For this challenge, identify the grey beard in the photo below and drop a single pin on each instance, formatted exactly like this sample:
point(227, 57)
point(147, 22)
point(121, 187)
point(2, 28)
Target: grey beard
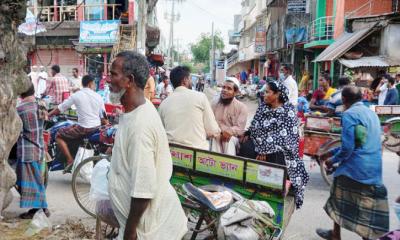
point(115, 98)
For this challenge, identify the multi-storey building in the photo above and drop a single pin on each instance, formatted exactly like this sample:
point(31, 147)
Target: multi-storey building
point(61, 44)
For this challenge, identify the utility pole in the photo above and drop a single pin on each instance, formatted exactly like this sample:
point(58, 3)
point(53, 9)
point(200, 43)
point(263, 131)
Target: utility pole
point(172, 18)
point(212, 67)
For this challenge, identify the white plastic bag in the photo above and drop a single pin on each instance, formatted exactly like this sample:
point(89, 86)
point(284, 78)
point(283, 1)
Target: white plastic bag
point(39, 221)
point(86, 170)
point(99, 181)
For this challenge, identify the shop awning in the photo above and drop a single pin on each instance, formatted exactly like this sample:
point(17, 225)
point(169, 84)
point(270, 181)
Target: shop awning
point(343, 44)
point(373, 61)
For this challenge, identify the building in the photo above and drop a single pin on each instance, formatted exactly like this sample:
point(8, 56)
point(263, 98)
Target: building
point(129, 24)
point(333, 22)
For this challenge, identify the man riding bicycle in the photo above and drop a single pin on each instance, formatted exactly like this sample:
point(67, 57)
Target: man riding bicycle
point(90, 110)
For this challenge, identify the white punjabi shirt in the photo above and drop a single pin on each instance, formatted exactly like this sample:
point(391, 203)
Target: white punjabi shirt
point(141, 167)
point(291, 85)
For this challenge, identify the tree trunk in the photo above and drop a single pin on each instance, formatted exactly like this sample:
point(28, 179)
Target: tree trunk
point(13, 81)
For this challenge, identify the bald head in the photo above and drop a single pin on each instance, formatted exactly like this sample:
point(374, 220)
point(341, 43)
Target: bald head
point(351, 95)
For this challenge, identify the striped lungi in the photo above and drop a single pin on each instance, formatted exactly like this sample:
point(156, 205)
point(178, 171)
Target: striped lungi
point(358, 207)
point(30, 184)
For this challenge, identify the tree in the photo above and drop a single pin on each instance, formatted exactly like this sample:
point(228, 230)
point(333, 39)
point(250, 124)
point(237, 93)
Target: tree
point(13, 81)
point(201, 49)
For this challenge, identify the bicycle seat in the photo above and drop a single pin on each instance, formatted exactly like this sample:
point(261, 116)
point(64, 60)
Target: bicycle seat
point(219, 200)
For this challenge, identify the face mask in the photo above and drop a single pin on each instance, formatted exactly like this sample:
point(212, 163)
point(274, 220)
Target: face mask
point(397, 210)
point(115, 97)
point(281, 76)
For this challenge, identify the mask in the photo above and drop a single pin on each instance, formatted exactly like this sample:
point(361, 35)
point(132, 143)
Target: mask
point(115, 97)
point(281, 76)
point(397, 210)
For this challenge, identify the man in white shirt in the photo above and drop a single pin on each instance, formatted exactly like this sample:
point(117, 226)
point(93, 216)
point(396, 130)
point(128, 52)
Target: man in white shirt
point(186, 114)
point(164, 89)
point(90, 110)
point(142, 198)
point(382, 90)
point(41, 82)
point(291, 84)
point(75, 81)
point(34, 75)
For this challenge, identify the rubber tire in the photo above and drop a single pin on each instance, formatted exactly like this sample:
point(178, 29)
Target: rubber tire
point(75, 176)
point(324, 148)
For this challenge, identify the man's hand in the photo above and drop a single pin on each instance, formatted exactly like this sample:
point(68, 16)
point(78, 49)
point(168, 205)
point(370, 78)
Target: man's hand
point(328, 164)
point(225, 136)
point(130, 234)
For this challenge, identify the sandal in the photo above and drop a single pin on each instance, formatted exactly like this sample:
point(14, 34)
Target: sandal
point(47, 212)
point(29, 214)
point(325, 234)
point(68, 168)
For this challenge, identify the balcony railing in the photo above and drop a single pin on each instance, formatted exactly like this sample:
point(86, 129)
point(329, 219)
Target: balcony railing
point(71, 12)
point(321, 29)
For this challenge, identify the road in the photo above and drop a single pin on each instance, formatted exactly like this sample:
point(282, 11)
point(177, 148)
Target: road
point(302, 224)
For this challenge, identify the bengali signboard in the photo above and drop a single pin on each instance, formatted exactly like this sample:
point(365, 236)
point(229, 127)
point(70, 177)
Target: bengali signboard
point(260, 42)
point(219, 165)
point(104, 31)
point(267, 176)
point(318, 123)
point(182, 157)
point(297, 6)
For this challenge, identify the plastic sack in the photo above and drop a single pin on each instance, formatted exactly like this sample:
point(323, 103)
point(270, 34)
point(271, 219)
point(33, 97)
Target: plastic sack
point(99, 181)
point(86, 170)
point(105, 212)
point(39, 221)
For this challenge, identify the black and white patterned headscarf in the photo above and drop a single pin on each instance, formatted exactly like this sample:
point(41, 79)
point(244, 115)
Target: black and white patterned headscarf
point(276, 130)
point(282, 89)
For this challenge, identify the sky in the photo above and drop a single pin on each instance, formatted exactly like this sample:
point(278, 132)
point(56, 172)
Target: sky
point(196, 17)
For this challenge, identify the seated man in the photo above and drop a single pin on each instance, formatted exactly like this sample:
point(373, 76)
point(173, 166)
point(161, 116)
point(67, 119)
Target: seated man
point(164, 89)
point(90, 110)
point(231, 115)
point(321, 96)
point(186, 114)
point(335, 104)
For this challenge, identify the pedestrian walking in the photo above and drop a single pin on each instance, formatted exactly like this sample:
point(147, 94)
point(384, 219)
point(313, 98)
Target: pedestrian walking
point(358, 199)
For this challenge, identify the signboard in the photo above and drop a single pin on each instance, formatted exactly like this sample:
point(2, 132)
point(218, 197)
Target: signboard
point(265, 175)
point(104, 31)
point(297, 6)
point(219, 165)
point(317, 123)
point(260, 42)
point(182, 157)
point(383, 110)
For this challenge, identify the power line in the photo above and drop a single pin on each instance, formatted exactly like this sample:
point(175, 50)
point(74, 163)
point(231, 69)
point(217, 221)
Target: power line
point(212, 14)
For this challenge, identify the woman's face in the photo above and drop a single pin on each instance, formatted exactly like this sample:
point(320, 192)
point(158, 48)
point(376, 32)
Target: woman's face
point(270, 96)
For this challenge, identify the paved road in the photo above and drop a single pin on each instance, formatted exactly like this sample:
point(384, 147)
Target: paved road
point(302, 224)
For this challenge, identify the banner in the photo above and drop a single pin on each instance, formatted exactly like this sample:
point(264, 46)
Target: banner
point(103, 31)
point(261, 37)
point(297, 6)
point(218, 165)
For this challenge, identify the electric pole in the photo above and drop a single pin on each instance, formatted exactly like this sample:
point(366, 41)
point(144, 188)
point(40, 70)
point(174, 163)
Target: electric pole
point(212, 67)
point(172, 17)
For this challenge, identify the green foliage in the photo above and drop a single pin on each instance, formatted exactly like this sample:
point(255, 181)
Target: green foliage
point(201, 49)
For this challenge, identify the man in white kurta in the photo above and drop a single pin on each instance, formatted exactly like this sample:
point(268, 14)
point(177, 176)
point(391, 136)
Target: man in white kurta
point(141, 167)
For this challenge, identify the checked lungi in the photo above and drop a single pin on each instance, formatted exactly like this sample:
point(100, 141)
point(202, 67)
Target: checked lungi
point(30, 184)
point(358, 207)
point(30, 154)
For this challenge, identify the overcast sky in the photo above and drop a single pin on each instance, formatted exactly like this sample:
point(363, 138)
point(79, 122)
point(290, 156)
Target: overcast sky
point(196, 17)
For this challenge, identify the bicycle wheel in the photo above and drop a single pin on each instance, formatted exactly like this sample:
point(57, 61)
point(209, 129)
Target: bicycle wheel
point(81, 188)
point(327, 175)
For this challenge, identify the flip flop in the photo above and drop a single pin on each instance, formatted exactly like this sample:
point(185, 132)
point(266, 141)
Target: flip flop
point(29, 214)
point(68, 168)
point(324, 233)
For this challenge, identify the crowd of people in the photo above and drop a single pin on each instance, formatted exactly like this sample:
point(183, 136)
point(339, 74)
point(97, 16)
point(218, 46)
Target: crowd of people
point(144, 203)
